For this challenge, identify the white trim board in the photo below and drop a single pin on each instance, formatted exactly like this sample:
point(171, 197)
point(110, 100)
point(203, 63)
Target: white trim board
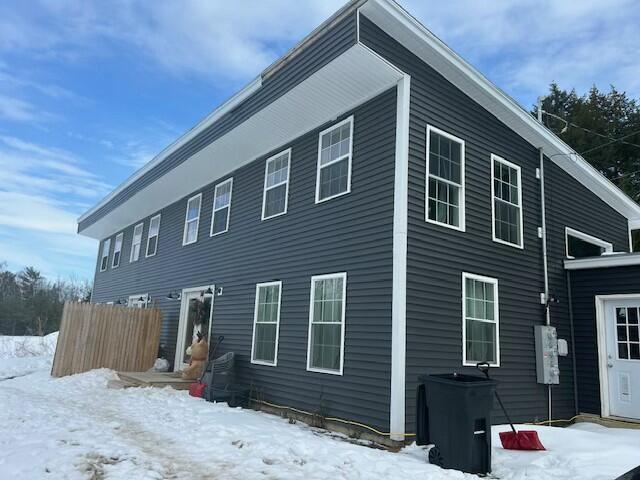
point(585, 237)
point(399, 292)
point(620, 259)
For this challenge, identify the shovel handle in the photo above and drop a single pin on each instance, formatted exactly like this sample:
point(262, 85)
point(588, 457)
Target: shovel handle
point(484, 368)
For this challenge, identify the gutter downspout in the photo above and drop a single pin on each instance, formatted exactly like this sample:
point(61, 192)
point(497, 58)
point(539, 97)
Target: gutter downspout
point(544, 244)
point(573, 345)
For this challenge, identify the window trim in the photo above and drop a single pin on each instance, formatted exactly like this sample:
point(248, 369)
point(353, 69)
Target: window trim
point(186, 223)
point(496, 316)
point(265, 189)
point(608, 247)
point(133, 239)
point(315, 278)
point(462, 226)
point(157, 235)
point(214, 210)
point(518, 169)
point(348, 157)
point(115, 243)
point(107, 242)
point(255, 321)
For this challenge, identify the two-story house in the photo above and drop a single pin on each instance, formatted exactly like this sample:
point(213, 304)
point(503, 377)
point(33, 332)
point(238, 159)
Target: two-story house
point(368, 209)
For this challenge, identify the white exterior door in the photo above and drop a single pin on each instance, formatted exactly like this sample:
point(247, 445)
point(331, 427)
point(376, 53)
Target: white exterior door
point(196, 312)
point(622, 328)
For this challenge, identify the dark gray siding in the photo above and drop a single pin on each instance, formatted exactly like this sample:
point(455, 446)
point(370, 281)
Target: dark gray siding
point(569, 204)
point(437, 256)
point(352, 233)
point(585, 285)
point(324, 49)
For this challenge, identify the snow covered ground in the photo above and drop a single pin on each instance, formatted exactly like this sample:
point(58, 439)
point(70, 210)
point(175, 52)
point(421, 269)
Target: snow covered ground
point(76, 428)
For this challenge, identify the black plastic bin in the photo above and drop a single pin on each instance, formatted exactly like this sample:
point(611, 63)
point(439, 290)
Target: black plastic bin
point(454, 414)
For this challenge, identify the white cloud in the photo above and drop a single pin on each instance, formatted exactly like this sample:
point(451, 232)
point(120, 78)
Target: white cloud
point(18, 110)
point(524, 45)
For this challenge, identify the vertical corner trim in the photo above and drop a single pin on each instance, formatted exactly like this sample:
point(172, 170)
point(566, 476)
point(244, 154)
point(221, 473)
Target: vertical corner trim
point(399, 296)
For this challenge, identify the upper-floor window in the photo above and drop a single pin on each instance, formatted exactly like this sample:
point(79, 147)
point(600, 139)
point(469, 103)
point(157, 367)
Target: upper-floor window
point(117, 250)
point(480, 325)
point(579, 245)
point(221, 207)
point(445, 179)
point(276, 185)
point(506, 209)
point(136, 241)
point(326, 323)
point(104, 257)
point(192, 220)
point(266, 321)
point(334, 161)
point(152, 236)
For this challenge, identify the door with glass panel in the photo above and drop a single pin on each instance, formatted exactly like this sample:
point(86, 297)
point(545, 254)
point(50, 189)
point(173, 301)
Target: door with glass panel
point(196, 313)
point(623, 357)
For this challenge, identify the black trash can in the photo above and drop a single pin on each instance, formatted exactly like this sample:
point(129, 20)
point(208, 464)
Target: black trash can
point(454, 414)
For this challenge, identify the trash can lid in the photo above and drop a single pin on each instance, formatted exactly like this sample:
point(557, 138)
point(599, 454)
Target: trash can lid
point(457, 379)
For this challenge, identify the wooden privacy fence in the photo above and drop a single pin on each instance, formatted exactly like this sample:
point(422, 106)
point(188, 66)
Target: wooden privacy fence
point(106, 336)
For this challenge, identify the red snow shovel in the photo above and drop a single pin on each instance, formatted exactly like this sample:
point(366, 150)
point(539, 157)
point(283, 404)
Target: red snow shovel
point(514, 440)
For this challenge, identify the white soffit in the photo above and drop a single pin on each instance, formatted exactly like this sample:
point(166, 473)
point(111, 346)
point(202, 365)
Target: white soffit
point(604, 261)
point(349, 80)
point(399, 24)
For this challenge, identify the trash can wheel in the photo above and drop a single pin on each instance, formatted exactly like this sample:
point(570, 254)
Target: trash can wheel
point(435, 457)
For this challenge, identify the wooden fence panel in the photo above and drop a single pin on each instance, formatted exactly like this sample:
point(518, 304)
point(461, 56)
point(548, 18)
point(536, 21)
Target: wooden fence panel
point(106, 336)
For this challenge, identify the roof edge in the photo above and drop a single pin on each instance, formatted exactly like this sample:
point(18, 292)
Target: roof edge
point(604, 261)
point(402, 15)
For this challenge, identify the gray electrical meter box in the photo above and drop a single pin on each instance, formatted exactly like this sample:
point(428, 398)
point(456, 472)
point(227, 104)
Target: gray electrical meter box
point(547, 354)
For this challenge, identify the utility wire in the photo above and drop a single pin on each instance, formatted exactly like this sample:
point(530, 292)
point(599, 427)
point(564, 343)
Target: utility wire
point(567, 123)
point(615, 140)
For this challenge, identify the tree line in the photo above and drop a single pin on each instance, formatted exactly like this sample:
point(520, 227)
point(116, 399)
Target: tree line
point(30, 304)
point(604, 128)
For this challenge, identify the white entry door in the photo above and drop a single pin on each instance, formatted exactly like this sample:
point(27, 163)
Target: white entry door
point(622, 318)
point(196, 313)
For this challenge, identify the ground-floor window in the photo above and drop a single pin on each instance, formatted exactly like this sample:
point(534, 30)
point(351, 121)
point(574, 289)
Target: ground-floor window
point(480, 325)
point(326, 323)
point(266, 322)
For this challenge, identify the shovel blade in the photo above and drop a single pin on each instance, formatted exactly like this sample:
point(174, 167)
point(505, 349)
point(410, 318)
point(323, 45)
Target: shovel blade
point(522, 440)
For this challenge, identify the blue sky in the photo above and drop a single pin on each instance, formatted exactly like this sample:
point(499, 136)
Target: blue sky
point(90, 91)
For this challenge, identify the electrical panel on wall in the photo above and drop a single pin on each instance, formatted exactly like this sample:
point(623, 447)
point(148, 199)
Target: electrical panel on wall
point(547, 354)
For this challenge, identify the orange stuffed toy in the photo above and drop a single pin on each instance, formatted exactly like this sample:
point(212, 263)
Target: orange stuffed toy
point(199, 352)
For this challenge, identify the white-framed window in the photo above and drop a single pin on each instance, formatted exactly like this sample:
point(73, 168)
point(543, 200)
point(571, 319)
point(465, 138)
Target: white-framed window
point(275, 197)
point(136, 241)
point(192, 220)
point(221, 207)
point(152, 236)
point(117, 250)
point(335, 146)
point(506, 204)
point(580, 245)
point(444, 190)
point(104, 256)
point(325, 351)
point(480, 320)
point(266, 323)
point(138, 301)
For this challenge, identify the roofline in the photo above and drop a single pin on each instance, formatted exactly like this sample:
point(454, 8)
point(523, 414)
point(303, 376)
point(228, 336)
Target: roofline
point(228, 105)
point(412, 23)
point(604, 261)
